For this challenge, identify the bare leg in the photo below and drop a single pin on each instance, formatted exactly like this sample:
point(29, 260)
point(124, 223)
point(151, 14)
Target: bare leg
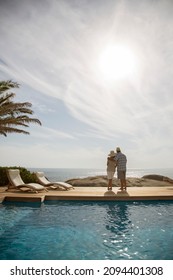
point(121, 182)
point(110, 184)
point(124, 184)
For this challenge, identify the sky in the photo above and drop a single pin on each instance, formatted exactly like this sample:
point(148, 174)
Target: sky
point(99, 74)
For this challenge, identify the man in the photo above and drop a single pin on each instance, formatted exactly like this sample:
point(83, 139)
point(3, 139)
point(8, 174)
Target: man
point(121, 161)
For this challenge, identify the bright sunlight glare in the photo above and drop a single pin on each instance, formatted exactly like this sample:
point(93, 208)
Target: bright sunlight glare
point(117, 62)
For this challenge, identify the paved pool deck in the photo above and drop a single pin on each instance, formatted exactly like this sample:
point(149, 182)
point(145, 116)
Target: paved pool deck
point(90, 194)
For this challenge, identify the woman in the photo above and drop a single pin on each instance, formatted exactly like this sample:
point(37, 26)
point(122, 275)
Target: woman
point(111, 165)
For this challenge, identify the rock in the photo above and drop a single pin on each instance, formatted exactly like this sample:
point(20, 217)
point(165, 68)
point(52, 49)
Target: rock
point(94, 181)
point(102, 181)
point(158, 177)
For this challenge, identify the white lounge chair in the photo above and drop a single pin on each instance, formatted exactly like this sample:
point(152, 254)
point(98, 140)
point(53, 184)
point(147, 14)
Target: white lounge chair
point(53, 185)
point(16, 182)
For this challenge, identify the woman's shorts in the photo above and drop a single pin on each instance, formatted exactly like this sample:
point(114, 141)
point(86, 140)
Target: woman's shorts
point(121, 175)
point(110, 174)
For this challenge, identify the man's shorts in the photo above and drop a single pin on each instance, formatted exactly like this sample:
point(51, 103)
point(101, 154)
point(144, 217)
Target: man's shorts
point(121, 175)
point(110, 174)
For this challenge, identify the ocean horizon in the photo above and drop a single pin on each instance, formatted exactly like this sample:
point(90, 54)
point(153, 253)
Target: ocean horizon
point(63, 174)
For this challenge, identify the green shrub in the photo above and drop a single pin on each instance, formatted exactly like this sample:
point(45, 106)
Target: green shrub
point(26, 175)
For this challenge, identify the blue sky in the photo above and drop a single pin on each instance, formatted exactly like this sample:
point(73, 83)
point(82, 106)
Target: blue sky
point(54, 50)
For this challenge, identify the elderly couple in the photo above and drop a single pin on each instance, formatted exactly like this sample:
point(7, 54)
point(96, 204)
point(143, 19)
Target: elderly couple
point(118, 160)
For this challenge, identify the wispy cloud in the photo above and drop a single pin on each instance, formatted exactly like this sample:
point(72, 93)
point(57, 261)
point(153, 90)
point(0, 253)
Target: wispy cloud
point(47, 155)
point(49, 133)
point(54, 46)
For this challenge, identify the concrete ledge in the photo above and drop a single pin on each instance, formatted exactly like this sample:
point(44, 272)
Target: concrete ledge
point(24, 199)
point(2, 199)
point(108, 198)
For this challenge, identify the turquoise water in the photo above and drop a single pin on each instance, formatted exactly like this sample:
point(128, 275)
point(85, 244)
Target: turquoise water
point(86, 230)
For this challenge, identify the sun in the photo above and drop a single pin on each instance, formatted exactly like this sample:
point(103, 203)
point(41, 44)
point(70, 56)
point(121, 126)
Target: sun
point(117, 62)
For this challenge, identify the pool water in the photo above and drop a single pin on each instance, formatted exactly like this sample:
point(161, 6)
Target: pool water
point(86, 230)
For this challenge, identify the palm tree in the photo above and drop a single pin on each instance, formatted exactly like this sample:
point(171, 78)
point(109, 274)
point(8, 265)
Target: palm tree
point(13, 115)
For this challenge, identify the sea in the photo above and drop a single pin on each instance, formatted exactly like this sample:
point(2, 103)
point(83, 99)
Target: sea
point(63, 174)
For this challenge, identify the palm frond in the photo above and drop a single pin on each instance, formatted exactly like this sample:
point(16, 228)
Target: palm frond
point(6, 85)
point(14, 114)
point(12, 130)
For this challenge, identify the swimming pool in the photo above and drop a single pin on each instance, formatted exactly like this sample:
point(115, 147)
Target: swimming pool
point(72, 230)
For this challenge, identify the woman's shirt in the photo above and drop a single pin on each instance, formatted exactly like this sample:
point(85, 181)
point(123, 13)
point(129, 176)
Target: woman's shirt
point(111, 165)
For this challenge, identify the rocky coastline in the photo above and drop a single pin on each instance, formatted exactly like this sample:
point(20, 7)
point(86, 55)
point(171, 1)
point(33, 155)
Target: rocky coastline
point(153, 180)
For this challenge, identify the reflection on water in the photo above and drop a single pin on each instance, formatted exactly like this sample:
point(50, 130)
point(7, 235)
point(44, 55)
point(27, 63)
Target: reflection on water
point(118, 218)
point(119, 226)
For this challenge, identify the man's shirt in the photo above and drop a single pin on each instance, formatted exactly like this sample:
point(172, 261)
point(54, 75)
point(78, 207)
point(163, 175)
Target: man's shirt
point(121, 161)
